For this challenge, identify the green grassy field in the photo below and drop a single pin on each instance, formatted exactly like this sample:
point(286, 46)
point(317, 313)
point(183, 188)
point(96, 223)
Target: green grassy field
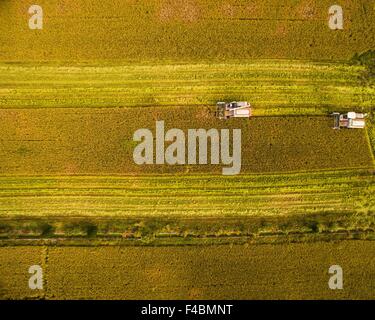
point(184, 30)
point(294, 271)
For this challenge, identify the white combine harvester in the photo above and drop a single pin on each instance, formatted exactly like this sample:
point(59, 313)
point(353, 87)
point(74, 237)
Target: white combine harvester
point(233, 110)
point(350, 120)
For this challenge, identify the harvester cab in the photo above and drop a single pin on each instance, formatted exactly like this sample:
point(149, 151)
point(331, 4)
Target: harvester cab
point(350, 120)
point(233, 110)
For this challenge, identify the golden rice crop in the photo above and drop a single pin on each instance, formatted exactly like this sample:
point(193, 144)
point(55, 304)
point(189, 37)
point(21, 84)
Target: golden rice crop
point(184, 30)
point(289, 271)
point(100, 141)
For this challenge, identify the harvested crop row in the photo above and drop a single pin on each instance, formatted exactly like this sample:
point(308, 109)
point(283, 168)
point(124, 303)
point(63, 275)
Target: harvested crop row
point(273, 87)
point(183, 196)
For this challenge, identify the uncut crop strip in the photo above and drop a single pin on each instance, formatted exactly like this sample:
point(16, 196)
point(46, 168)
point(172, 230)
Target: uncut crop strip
point(14, 265)
point(273, 87)
point(95, 141)
point(175, 272)
point(342, 191)
point(184, 30)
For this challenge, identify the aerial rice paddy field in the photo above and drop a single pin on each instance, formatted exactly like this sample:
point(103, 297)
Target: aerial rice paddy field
point(100, 141)
point(184, 30)
point(294, 271)
point(73, 201)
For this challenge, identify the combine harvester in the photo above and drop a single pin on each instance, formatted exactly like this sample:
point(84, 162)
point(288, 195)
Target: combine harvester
point(350, 120)
point(233, 109)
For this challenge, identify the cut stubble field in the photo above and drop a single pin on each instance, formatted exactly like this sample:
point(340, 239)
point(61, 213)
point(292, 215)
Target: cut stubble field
point(279, 195)
point(274, 87)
